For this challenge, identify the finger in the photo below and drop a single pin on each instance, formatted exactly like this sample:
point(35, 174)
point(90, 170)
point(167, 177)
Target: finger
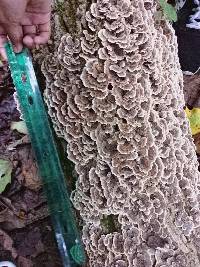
point(29, 30)
point(3, 40)
point(43, 34)
point(36, 17)
point(28, 41)
point(15, 34)
point(29, 34)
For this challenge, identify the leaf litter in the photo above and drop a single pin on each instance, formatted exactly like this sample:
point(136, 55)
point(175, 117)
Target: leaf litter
point(26, 235)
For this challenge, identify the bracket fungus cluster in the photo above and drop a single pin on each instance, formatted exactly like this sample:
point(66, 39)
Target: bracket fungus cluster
point(115, 93)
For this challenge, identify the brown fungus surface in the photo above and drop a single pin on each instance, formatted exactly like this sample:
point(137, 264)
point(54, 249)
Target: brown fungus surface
point(115, 93)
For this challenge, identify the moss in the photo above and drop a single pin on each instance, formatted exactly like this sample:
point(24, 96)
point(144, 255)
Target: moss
point(67, 165)
point(67, 14)
point(110, 224)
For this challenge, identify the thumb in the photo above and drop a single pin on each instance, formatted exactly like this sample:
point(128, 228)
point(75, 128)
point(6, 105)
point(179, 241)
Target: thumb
point(15, 34)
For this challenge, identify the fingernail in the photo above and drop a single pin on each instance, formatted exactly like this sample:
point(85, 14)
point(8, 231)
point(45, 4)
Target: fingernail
point(3, 63)
point(17, 48)
point(3, 57)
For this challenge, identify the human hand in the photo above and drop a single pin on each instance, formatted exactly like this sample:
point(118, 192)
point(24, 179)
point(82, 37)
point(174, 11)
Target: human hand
point(25, 22)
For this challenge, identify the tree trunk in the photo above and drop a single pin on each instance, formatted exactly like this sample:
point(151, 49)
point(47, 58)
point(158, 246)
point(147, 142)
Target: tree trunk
point(115, 94)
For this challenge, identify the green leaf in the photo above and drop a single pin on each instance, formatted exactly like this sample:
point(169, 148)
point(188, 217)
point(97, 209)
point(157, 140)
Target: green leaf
point(162, 3)
point(168, 10)
point(19, 126)
point(5, 174)
point(194, 118)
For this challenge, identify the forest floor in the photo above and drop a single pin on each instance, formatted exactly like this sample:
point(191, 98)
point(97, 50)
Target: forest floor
point(26, 234)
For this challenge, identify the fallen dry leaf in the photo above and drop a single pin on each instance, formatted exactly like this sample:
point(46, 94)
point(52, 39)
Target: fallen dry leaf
point(19, 126)
point(192, 90)
point(193, 116)
point(23, 141)
point(5, 174)
point(26, 242)
point(8, 215)
point(24, 262)
point(29, 171)
point(9, 221)
point(196, 138)
point(7, 243)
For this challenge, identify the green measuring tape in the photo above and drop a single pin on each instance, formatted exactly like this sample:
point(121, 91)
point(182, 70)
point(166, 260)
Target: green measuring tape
point(34, 114)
